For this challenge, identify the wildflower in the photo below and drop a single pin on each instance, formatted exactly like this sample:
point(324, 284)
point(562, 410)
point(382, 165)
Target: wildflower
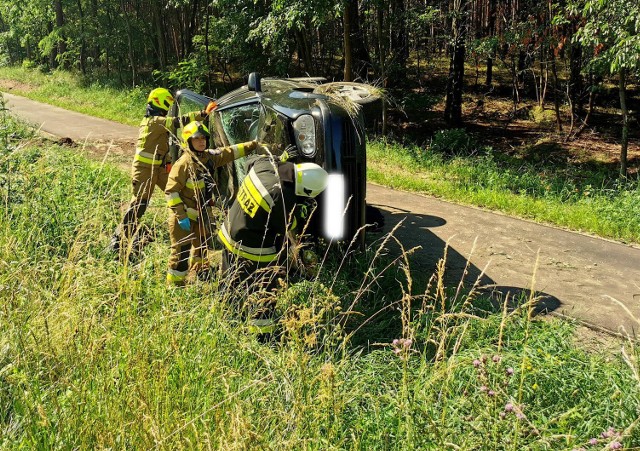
point(593, 441)
point(477, 363)
point(508, 407)
point(491, 393)
point(401, 345)
point(520, 416)
point(484, 359)
point(615, 445)
point(483, 388)
point(535, 386)
point(496, 359)
point(503, 414)
point(608, 433)
point(509, 371)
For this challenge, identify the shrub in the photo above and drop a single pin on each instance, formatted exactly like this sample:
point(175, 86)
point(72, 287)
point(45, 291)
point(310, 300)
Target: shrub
point(455, 141)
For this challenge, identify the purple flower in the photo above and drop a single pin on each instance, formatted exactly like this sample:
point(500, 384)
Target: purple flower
point(491, 393)
point(508, 407)
point(484, 359)
point(593, 441)
point(509, 371)
point(496, 359)
point(483, 388)
point(520, 416)
point(608, 433)
point(503, 414)
point(395, 342)
point(477, 363)
point(615, 445)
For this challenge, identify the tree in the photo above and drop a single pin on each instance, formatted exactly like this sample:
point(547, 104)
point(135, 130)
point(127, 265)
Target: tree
point(611, 31)
point(453, 104)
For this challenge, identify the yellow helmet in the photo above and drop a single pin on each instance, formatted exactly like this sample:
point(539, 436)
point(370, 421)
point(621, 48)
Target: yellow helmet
point(194, 130)
point(161, 98)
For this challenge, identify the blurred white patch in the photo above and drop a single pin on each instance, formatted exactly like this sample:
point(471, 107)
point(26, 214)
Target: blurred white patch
point(335, 201)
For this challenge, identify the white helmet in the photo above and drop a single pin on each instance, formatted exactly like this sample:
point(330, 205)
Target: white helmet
point(311, 179)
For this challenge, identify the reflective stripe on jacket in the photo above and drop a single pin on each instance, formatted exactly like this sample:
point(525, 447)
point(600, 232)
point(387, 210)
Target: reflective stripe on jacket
point(256, 225)
point(153, 139)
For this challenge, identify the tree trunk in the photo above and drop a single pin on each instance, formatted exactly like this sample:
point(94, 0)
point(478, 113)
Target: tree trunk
point(62, 46)
point(575, 78)
point(625, 122)
point(489, 78)
point(556, 89)
point(453, 105)
point(132, 60)
point(346, 22)
point(382, 62)
point(83, 45)
point(398, 43)
point(157, 24)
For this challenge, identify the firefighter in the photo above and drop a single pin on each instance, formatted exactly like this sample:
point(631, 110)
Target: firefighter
point(262, 228)
point(189, 198)
point(152, 162)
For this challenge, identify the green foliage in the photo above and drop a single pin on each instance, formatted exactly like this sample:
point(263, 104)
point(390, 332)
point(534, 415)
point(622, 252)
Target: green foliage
point(539, 115)
point(455, 141)
point(612, 30)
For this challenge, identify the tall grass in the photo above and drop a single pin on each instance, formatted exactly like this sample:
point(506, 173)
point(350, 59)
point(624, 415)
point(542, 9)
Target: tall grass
point(95, 354)
point(577, 198)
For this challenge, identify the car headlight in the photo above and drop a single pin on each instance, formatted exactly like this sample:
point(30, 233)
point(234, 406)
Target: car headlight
point(305, 132)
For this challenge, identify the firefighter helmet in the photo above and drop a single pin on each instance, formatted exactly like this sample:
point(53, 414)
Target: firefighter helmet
point(160, 98)
point(311, 179)
point(194, 130)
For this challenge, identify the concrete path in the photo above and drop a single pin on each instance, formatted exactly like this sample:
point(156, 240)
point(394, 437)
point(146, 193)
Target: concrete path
point(578, 276)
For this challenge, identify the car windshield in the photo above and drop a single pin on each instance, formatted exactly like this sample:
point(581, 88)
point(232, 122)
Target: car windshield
point(244, 123)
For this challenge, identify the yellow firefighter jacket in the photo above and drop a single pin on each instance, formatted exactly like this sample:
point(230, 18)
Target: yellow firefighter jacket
point(153, 139)
point(188, 190)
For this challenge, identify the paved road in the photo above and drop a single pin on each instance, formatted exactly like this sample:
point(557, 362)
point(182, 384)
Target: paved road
point(577, 275)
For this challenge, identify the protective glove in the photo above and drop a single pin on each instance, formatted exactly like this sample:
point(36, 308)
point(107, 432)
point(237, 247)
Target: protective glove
point(210, 107)
point(185, 224)
point(289, 153)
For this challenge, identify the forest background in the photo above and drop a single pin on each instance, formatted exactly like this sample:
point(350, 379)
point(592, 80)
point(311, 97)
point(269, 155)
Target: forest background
point(565, 67)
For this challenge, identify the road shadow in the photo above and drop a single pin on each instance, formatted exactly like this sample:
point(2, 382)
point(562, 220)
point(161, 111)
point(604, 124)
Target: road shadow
point(413, 231)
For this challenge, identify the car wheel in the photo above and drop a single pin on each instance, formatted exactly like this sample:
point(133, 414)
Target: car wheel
point(367, 96)
point(359, 93)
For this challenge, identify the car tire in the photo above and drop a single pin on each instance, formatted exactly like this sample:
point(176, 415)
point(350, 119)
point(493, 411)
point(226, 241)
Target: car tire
point(359, 93)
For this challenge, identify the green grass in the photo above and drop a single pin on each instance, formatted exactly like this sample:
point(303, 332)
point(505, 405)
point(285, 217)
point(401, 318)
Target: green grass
point(68, 91)
point(95, 354)
point(573, 197)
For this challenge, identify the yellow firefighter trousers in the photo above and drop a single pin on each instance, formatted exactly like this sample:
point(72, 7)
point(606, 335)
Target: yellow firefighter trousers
point(188, 249)
point(144, 180)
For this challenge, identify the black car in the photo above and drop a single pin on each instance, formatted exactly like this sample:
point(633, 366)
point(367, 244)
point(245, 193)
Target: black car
point(324, 127)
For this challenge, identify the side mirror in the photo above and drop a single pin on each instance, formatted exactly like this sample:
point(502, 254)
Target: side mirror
point(254, 82)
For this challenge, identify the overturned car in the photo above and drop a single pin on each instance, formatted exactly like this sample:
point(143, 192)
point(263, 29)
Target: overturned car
point(323, 124)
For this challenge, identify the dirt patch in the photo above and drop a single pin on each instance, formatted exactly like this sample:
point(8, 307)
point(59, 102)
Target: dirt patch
point(13, 85)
